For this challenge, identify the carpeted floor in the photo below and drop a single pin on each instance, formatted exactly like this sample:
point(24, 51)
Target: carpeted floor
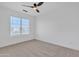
point(36, 48)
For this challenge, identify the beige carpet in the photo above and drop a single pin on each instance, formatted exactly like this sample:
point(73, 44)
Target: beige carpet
point(35, 48)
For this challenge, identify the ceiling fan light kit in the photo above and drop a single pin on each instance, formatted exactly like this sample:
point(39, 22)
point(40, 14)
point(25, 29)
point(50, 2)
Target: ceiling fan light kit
point(34, 7)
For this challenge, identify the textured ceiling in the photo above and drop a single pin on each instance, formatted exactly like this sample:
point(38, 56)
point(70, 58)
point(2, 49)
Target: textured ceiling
point(17, 6)
point(44, 9)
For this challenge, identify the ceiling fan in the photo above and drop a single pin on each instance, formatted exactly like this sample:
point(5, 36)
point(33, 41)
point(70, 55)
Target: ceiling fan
point(34, 6)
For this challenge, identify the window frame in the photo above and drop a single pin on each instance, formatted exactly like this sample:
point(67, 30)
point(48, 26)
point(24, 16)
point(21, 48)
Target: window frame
point(20, 26)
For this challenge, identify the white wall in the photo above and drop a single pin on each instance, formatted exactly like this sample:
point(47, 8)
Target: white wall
point(60, 26)
point(5, 38)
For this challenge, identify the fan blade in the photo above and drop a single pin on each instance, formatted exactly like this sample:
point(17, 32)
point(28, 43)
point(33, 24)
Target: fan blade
point(34, 4)
point(27, 6)
point(40, 3)
point(25, 10)
point(37, 10)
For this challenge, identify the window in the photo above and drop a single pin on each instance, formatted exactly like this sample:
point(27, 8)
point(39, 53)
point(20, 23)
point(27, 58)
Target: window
point(19, 26)
point(15, 25)
point(25, 26)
